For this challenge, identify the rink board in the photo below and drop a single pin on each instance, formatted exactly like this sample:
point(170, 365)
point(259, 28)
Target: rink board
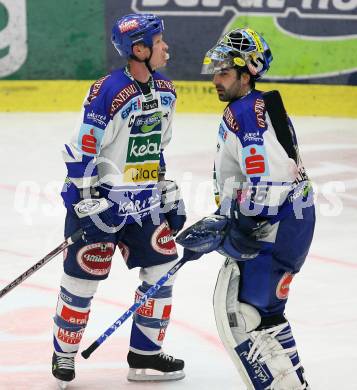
point(193, 97)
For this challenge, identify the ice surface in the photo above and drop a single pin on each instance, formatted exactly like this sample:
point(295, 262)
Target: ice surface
point(323, 300)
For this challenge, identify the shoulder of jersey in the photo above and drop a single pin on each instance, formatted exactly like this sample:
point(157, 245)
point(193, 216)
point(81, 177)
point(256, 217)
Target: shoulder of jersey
point(164, 84)
point(243, 112)
point(113, 90)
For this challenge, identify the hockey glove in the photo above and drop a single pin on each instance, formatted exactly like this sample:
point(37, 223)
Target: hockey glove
point(96, 219)
point(241, 241)
point(172, 205)
point(204, 236)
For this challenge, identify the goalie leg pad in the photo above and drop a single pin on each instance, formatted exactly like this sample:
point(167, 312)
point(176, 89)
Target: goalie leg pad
point(266, 358)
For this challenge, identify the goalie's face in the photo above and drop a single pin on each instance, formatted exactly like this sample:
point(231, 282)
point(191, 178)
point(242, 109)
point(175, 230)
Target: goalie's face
point(230, 84)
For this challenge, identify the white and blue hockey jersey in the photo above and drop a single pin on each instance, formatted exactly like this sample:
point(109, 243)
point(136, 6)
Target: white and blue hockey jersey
point(252, 164)
point(118, 144)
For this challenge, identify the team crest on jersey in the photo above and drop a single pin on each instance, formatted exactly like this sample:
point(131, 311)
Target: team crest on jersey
point(162, 240)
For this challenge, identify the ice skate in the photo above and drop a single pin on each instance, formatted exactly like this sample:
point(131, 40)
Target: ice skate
point(159, 367)
point(63, 370)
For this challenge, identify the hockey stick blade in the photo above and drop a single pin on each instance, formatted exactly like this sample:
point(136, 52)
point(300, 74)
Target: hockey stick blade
point(152, 290)
point(69, 241)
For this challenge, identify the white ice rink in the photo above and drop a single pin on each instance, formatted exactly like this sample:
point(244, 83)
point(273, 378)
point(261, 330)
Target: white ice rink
point(322, 307)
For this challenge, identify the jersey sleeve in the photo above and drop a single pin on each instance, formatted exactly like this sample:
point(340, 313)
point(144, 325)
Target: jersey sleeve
point(168, 103)
point(80, 154)
point(265, 165)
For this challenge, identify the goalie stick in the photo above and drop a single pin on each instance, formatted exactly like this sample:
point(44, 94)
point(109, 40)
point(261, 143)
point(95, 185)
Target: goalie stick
point(69, 241)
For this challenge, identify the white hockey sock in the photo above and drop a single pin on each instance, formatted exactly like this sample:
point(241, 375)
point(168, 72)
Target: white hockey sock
point(72, 314)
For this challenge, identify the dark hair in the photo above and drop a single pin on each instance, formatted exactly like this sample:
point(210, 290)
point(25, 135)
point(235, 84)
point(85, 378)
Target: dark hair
point(240, 71)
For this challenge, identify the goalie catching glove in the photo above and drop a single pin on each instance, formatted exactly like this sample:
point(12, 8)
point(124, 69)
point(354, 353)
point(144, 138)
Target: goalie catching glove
point(236, 237)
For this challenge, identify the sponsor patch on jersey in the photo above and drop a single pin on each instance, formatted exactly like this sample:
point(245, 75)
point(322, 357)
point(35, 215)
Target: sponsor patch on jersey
point(147, 123)
point(167, 99)
point(230, 120)
point(136, 173)
point(73, 316)
point(123, 97)
point(222, 133)
point(162, 240)
point(133, 106)
point(95, 89)
point(255, 162)
point(89, 139)
point(151, 105)
point(96, 259)
point(124, 250)
point(259, 109)
point(254, 137)
point(145, 148)
point(282, 289)
point(165, 85)
point(93, 118)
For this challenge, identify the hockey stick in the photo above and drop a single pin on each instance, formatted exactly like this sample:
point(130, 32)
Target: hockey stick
point(70, 240)
point(152, 290)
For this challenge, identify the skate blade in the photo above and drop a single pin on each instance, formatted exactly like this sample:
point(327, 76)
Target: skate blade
point(149, 375)
point(62, 384)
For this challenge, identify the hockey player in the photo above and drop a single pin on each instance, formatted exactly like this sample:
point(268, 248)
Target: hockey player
point(265, 221)
point(116, 193)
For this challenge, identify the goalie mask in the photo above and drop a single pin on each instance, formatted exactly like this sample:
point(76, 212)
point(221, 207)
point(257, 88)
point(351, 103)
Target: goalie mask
point(243, 49)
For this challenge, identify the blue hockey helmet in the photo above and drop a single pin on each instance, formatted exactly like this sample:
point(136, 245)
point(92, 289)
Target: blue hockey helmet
point(135, 28)
point(242, 48)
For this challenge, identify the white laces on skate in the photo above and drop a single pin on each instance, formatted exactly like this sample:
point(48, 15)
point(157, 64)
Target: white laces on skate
point(264, 348)
point(65, 362)
point(164, 356)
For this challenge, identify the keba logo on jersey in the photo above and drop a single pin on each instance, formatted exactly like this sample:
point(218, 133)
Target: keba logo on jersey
point(162, 240)
point(282, 290)
point(96, 259)
point(255, 161)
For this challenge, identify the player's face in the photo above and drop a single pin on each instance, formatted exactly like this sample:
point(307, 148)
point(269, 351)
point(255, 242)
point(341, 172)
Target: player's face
point(160, 55)
point(228, 85)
